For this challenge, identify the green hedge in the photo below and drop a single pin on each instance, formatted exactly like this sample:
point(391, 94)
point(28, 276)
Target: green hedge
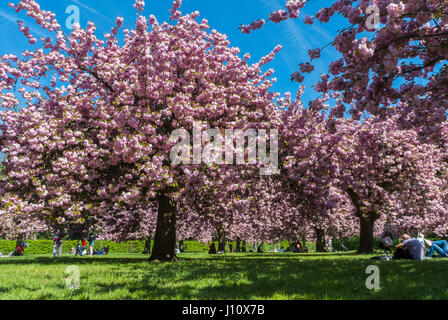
point(196, 246)
point(46, 246)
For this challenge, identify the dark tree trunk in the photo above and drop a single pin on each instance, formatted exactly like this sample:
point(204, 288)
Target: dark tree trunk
point(221, 240)
point(367, 222)
point(320, 240)
point(238, 245)
point(366, 241)
point(165, 237)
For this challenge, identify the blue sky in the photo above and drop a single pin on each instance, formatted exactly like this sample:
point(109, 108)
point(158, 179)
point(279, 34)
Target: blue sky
point(224, 16)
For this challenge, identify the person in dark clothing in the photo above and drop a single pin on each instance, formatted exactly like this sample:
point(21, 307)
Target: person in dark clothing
point(297, 247)
point(57, 242)
point(91, 243)
point(78, 249)
point(98, 252)
point(243, 247)
point(402, 253)
point(212, 249)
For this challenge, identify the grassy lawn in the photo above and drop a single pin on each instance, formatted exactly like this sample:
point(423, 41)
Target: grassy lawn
point(230, 276)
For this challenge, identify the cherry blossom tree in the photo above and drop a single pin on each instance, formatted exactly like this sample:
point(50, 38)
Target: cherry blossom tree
point(388, 171)
point(393, 59)
point(393, 66)
point(92, 137)
point(17, 220)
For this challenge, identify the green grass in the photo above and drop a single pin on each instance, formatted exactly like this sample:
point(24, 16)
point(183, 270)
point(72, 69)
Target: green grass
point(230, 276)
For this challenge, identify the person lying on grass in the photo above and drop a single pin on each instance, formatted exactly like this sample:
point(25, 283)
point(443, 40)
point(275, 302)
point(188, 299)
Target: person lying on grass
point(412, 248)
point(440, 246)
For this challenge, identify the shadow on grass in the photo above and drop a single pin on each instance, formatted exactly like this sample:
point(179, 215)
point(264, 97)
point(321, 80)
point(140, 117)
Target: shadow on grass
point(112, 259)
point(72, 260)
point(281, 278)
point(252, 276)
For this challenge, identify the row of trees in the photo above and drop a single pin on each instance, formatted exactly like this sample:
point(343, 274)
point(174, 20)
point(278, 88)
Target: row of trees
point(89, 148)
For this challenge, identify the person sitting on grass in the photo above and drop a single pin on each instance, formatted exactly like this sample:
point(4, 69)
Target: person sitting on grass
point(212, 249)
point(99, 252)
point(18, 251)
point(386, 241)
point(410, 248)
point(297, 248)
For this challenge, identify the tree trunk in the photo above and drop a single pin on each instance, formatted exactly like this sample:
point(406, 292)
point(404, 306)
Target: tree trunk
point(320, 240)
point(367, 222)
point(165, 238)
point(366, 243)
point(60, 250)
point(221, 240)
point(238, 245)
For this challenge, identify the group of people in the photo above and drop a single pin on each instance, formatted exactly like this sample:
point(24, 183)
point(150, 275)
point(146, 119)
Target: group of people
point(295, 247)
point(420, 248)
point(17, 252)
point(81, 246)
point(212, 248)
point(81, 249)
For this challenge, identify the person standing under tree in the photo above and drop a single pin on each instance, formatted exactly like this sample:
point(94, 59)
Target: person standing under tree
point(78, 249)
point(83, 246)
point(56, 241)
point(91, 243)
